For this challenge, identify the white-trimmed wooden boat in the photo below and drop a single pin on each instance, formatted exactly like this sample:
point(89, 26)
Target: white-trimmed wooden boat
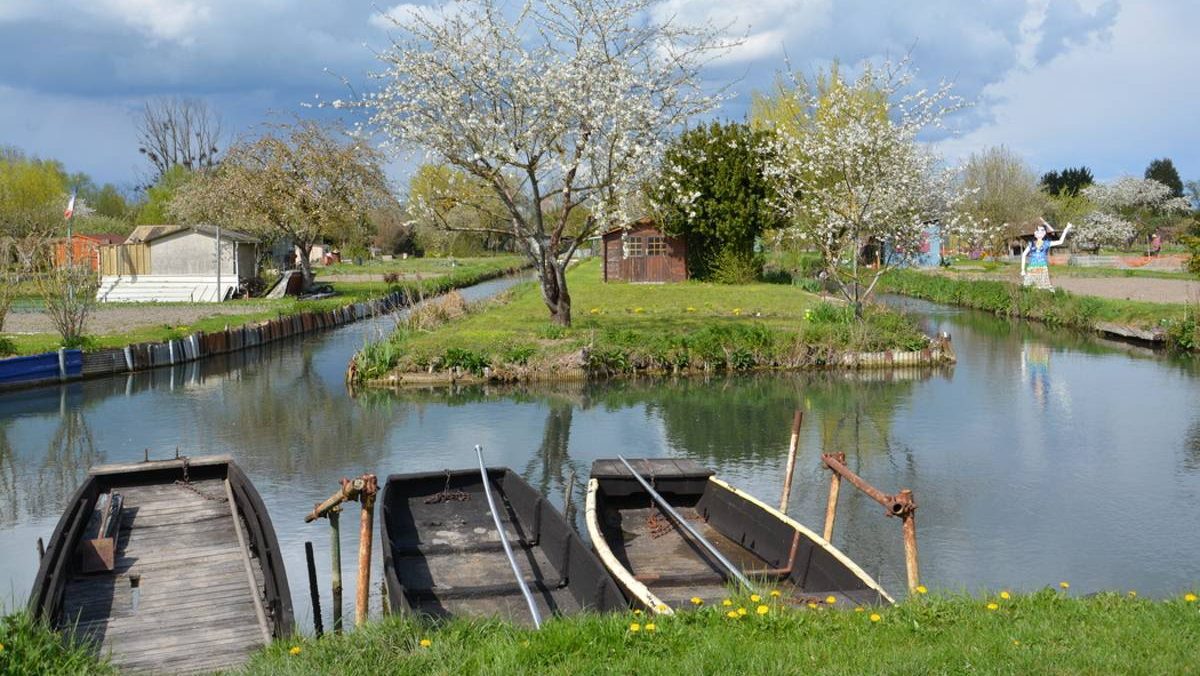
point(662, 568)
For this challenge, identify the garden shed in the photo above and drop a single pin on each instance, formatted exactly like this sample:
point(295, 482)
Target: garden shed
point(640, 252)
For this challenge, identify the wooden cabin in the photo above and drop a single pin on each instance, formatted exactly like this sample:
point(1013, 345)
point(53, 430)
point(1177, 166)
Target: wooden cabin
point(640, 252)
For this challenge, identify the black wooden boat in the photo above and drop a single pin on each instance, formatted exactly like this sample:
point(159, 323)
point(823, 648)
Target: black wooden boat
point(662, 568)
point(166, 566)
point(442, 554)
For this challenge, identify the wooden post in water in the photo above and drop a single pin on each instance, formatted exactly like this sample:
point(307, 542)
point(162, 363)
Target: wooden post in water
point(365, 531)
point(909, 520)
point(335, 556)
point(835, 487)
point(793, 444)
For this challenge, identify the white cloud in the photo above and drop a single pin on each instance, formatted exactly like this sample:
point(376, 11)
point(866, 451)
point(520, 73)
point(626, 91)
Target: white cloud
point(174, 20)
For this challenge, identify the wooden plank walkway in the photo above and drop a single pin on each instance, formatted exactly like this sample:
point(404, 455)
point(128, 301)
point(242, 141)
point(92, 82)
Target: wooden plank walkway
point(193, 609)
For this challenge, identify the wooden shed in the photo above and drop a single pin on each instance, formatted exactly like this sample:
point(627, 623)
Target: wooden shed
point(640, 252)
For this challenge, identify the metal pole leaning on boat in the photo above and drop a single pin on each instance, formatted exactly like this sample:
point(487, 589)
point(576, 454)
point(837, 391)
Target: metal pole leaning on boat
point(512, 560)
point(687, 526)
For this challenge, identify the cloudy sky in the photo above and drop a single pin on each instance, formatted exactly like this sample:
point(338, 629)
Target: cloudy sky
point(1107, 83)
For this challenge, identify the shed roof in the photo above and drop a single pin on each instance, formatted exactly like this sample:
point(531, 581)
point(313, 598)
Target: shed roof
point(149, 233)
point(644, 220)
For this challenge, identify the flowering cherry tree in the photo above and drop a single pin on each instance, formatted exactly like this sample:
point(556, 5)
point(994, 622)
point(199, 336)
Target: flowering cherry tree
point(1120, 206)
point(563, 106)
point(851, 173)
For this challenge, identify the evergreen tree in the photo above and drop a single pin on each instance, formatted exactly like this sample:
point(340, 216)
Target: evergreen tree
point(1164, 172)
point(1069, 181)
point(712, 191)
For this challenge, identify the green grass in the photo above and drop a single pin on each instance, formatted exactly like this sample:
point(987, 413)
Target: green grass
point(626, 328)
point(259, 309)
point(425, 266)
point(30, 648)
point(1045, 632)
point(967, 267)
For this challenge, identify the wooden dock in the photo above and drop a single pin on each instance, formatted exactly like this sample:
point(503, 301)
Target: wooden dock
point(196, 583)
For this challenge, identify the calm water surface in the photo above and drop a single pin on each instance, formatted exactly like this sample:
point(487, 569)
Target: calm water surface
point(1041, 456)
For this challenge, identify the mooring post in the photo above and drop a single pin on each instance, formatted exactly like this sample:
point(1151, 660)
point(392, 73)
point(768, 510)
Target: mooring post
point(365, 531)
point(313, 591)
point(835, 487)
point(41, 549)
point(909, 520)
point(335, 555)
point(793, 444)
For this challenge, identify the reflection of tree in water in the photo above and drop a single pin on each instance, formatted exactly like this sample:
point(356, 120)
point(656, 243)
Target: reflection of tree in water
point(550, 468)
point(288, 420)
point(69, 455)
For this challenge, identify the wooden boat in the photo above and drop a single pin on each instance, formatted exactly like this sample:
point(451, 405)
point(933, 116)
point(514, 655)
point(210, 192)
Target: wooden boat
point(167, 566)
point(442, 554)
point(662, 568)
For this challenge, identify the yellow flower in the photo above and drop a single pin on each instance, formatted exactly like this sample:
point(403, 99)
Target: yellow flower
point(860, 609)
point(808, 314)
point(762, 610)
point(1189, 597)
point(697, 601)
point(661, 608)
point(425, 643)
point(1064, 584)
point(922, 589)
point(732, 615)
point(635, 627)
point(775, 593)
point(993, 606)
point(637, 611)
point(737, 310)
point(650, 626)
point(727, 602)
point(755, 598)
point(295, 650)
point(1016, 642)
point(1005, 595)
point(741, 611)
point(875, 617)
point(691, 309)
point(638, 310)
point(831, 600)
point(812, 605)
point(1132, 594)
point(595, 310)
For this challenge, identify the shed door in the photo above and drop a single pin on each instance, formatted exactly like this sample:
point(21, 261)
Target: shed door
point(612, 259)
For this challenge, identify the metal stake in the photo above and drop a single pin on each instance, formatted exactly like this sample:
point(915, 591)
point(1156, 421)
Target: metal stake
point(512, 560)
point(791, 461)
point(666, 507)
point(313, 591)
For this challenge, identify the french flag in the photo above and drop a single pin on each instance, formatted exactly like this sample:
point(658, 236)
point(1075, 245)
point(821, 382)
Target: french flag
point(70, 206)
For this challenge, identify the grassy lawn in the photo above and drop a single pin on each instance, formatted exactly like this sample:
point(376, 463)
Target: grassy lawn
point(624, 328)
point(967, 267)
point(259, 309)
point(414, 266)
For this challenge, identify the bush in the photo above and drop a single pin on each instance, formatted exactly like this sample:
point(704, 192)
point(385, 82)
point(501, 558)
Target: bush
point(468, 360)
point(729, 267)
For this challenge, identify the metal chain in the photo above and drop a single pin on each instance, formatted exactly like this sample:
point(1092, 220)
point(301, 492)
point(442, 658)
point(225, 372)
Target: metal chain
point(186, 483)
point(448, 495)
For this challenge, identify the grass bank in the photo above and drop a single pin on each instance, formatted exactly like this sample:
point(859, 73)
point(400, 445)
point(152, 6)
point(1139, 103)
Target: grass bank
point(1045, 632)
point(29, 648)
point(621, 329)
point(1179, 323)
point(441, 277)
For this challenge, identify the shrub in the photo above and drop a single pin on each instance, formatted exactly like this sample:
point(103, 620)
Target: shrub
point(519, 355)
point(468, 360)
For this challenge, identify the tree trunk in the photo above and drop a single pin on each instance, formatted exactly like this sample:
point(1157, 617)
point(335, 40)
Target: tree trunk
point(553, 278)
point(305, 266)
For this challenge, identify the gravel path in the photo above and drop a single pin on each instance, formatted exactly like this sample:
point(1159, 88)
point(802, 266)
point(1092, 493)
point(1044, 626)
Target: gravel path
point(118, 319)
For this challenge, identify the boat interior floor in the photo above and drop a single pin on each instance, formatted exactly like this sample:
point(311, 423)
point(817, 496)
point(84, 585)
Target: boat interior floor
point(178, 599)
point(459, 566)
point(677, 569)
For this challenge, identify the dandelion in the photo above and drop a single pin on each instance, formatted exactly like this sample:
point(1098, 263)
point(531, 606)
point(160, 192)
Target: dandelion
point(595, 310)
point(875, 617)
point(737, 310)
point(1005, 595)
point(762, 610)
point(993, 606)
point(1016, 642)
point(733, 615)
point(1189, 597)
point(755, 598)
point(691, 309)
point(697, 601)
point(922, 589)
point(774, 593)
point(634, 628)
point(812, 605)
point(662, 608)
point(831, 600)
point(296, 650)
point(808, 314)
point(637, 611)
point(638, 310)
point(727, 602)
point(741, 611)
point(425, 643)
point(1064, 584)
point(860, 609)
point(650, 627)
point(1132, 594)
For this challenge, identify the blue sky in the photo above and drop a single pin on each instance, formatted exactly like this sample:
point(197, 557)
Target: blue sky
point(1107, 83)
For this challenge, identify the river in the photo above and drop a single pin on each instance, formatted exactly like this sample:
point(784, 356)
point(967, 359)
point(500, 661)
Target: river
point(1040, 457)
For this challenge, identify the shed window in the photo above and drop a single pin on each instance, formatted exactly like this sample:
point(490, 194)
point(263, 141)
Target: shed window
point(656, 246)
point(633, 247)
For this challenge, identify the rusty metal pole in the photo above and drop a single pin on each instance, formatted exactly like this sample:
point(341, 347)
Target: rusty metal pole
point(365, 531)
point(335, 556)
point(910, 541)
point(835, 487)
point(793, 444)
